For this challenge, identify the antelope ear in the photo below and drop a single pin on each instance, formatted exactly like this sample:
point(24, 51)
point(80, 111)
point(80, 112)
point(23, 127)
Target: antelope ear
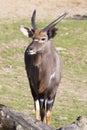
point(27, 31)
point(52, 32)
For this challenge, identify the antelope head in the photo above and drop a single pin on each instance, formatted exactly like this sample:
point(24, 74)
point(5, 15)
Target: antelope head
point(40, 37)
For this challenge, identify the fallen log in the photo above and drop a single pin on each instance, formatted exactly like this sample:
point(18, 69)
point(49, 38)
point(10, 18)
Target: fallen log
point(11, 120)
point(79, 124)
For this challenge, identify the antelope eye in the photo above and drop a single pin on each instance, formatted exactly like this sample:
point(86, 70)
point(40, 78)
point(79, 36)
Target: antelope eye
point(43, 39)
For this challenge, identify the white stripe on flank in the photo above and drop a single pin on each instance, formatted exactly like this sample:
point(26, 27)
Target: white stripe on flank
point(51, 77)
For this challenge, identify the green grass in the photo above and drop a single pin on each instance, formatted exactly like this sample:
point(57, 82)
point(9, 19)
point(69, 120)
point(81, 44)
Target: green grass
point(71, 100)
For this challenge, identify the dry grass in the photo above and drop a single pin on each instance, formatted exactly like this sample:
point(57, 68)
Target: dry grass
point(15, 9)
point(71, 99)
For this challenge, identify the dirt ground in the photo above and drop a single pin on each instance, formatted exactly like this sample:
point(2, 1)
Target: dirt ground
point(15, 9)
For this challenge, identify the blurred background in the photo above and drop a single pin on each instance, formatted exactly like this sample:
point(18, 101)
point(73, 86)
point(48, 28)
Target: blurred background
point(46, 9)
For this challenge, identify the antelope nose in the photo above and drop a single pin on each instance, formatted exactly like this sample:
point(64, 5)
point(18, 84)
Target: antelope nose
point(31, 51)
